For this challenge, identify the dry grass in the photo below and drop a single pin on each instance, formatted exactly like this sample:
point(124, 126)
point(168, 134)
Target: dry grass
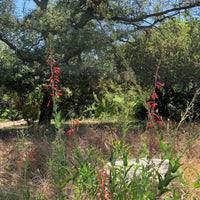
point(91, 133)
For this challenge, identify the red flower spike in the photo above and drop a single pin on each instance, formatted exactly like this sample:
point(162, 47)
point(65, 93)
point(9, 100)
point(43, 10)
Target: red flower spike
point(48, 103)
point(154, 96)
point(60, 94)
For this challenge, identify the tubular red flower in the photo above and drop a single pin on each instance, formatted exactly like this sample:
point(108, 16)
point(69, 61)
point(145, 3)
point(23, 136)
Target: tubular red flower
point(70, 131)
point(57, 68)
point(52, 94)
point(57, 72)
point(100, 176)
point(156, 115)
point(54, 62)
point(157, 122)
point(131, 80)
point(154, 96)
point(125, 77)
point(150, 102)
point(47, 86)
point(57, 80)
point(150, 125)
point(104, 180)
point(109, 194)
point(60, 94)
point(77, 121)
point(48, 103)
point(159, 85)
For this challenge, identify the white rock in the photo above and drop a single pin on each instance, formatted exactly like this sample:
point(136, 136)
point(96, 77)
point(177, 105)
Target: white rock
point(161, 166)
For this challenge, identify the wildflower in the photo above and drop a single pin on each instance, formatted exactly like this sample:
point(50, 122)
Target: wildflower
point(158, 77)
point(151, 147)
point(156, 115)
point(31, 154)
point(47, 61)
point(154, 96)
point(149, 102)
point(150, 125)
point(70, 131)
point(63, 132)
point(57, 72)
point(47, 86)
point(60, 94)
point(52, 94)
point(77, 122)
point(159, 85)
point(54, 62)
point(99, 10)
point(48, 103)
point(157, 122)
point(131, 80)
point(125, 77)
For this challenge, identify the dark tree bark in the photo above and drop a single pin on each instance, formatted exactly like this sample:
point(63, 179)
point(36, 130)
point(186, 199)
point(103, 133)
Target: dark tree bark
point(46, 111)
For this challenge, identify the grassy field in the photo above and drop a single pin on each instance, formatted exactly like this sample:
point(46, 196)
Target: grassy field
point(15, 137)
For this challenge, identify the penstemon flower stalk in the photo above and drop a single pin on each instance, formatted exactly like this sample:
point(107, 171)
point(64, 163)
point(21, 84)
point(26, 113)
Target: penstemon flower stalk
point(153, 117)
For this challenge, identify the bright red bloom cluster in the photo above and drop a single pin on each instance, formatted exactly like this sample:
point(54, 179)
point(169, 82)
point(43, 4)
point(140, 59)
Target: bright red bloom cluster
point(55, 71)
point(23, 158)
point(102, 187)
point(72, 130)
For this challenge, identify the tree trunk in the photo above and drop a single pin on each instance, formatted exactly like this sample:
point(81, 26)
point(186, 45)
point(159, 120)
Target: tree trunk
point(46, 110)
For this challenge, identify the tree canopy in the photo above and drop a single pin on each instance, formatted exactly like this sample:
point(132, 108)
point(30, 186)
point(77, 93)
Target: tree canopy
point(86, 36)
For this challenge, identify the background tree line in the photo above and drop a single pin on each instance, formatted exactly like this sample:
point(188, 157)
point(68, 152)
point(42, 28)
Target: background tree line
point(94, 58)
